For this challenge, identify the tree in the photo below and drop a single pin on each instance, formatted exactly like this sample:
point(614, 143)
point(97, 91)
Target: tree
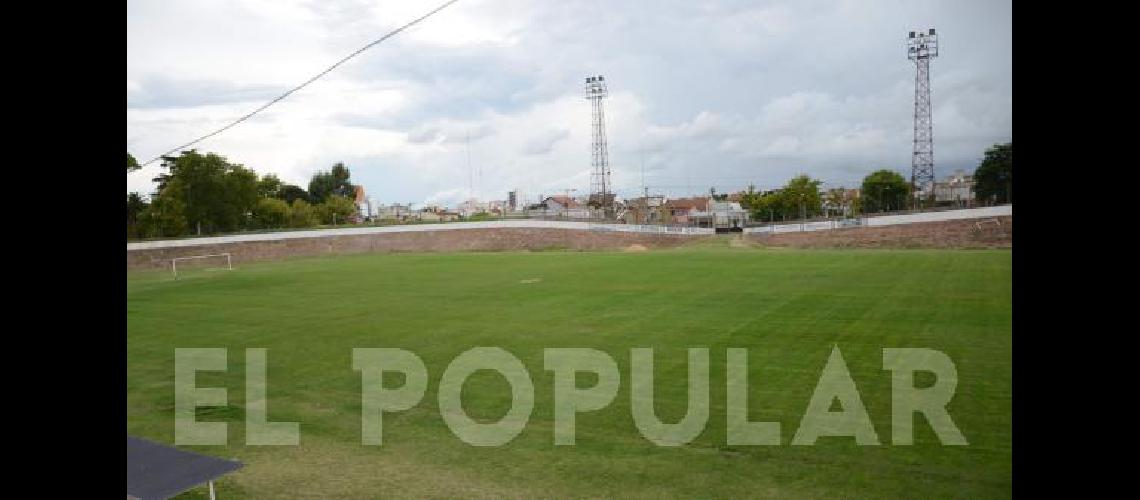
point(166, 216)
point(749, 198)
point(213, 195)
point(269, 186)
point(342, 186)
point(301, 214)
point(800, 197)
point(270, 213)
point(993, 179)
point(767, 206)
point(170, 163)
point(290, 192)
point(132, 163)
point(334, 182)
point(241, 196)
point(136, 207)
point(884, 190)
point(336, 210)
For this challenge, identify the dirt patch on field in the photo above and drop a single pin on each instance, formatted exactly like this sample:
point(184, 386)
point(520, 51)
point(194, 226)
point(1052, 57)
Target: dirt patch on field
point(966, 233)
point(740, 242)
point(636, 247)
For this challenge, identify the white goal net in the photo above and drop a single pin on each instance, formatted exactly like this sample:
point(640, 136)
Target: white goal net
point(183, 267)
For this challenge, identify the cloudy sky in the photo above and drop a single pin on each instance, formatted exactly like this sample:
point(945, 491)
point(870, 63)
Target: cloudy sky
point(703, 93)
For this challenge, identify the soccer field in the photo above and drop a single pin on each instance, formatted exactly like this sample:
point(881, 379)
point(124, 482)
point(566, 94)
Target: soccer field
point(788, 308)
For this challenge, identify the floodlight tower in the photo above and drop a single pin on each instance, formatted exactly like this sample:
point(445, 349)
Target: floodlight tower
point(921, 48)
point(600, 186)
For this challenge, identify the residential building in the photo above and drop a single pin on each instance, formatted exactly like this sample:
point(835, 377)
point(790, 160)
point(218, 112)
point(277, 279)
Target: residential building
point(721, 215)
point(680, 209)
point(564, 206)
point(957, 188)
point(561, 203)
point(839, 201)
point(645, 210)
point(394, 211)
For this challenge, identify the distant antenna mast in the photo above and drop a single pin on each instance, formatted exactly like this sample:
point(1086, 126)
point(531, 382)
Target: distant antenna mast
point(600, 186)
point(921, 48)
point(644, 189)
point(470, 172)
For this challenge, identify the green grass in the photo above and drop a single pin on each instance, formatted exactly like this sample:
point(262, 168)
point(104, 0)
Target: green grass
point(787, 307)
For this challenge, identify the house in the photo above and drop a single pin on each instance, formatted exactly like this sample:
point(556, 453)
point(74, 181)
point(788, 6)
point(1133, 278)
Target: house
point(645, 210)
point(839, 201)
point(433, 213)
point(957, 188)
point(363, 205)
point(720, 215)
point(561, 203)
point(394, 211)
point(498, 207)
point(597, 200)
point(564, 206)
point(471, 207)
point(680, 209)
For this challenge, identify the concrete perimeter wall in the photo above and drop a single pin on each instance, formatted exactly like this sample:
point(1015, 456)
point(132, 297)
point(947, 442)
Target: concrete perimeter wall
point(990, 232)
point(468, 239)
point(953, 228)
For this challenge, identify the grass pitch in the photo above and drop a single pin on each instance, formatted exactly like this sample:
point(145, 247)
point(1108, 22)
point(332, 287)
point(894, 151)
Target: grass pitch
point(787, 307)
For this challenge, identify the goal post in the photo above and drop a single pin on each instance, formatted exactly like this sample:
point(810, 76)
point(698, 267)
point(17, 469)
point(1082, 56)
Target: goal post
point(218, 261)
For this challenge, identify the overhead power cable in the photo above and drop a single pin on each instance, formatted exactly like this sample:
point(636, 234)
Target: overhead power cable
point(299, 87)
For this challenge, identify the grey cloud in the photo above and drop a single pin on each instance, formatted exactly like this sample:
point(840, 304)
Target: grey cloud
point(161, 92)
point(449, 133)
point(732, 91)
point(544, 142)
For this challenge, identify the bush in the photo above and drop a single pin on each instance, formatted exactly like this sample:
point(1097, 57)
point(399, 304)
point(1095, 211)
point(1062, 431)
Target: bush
point(270, 213)
point(301, 214)
point(336, 210)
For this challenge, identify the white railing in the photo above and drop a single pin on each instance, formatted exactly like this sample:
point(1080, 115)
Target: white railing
point(885, 220)
point(652, 229)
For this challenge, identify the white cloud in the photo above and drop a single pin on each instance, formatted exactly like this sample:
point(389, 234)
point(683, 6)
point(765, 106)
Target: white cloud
point(717, 93)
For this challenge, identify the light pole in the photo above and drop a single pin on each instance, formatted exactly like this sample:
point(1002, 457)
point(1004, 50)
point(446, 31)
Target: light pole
point(921, 48)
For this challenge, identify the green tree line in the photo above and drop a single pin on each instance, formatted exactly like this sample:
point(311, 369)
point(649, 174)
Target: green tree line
point(881, 190)
point(206, 194)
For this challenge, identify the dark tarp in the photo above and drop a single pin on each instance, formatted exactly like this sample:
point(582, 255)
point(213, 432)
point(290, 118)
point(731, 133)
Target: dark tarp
point(157, 471)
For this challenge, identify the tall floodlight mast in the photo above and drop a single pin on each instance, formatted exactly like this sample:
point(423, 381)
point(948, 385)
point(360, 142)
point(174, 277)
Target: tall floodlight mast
point(600, 187)
point(921, 48)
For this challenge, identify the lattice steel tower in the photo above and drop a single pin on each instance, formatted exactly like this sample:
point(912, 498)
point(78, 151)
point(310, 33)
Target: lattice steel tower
point(921, 48)
point(600, 187)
